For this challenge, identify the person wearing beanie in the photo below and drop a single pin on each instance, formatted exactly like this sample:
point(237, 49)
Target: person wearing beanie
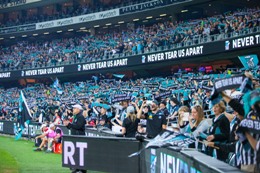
point(130, 123)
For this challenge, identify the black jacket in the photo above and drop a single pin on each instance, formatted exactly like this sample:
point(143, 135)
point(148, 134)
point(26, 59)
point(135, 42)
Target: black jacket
point(77, 126)
point(221, 131)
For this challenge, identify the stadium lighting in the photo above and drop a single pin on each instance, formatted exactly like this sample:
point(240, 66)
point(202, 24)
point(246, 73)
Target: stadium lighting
point(35, 34)
point(12, 37)
point(82, 28)
point(184, 11)
point(70, 30)
point(161, 15)
point(24, 35)
point(108, 24)
point(149, 17)
point(59, 31)
point(117, 25)
point(145, 21)
point(96, 26)
point(136, 20)
point(46, 33)
point(121, 22)
point(1, 38)
point(105, 27)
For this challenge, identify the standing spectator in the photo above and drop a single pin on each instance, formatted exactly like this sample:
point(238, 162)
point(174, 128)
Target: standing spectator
point(57, 118)
point(206, 105)
point(156, 120)
point(248, 157)
point(78, 123)
point(102, 120)
point(182, 124)
point(77, 126)
point(174, 107)
point(164, 109)
point(130, 123)
point(219, 131)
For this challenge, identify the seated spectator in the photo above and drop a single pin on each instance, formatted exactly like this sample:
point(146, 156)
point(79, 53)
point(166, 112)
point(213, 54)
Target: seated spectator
point(53, 134)
point(43, 137)
point(130, 123)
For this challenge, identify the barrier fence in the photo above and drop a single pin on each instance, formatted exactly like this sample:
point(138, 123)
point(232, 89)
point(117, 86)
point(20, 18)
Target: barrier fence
point(33, 129)
point(102, 151)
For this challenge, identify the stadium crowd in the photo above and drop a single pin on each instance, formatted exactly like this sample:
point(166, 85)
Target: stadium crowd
point(186, 103)
point(182, 103)
point(124, 42)
point(66, 11)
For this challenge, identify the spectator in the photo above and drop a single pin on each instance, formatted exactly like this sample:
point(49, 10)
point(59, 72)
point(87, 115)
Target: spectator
point(164, 109)
point(182, 123)
point(197, 123)
point(77, 126)
point(130, 123)
point(174, 107)
point(156, 121)
point(219, 131)
point(53, 134)
point(43, 138)
point(57, 118)
point(102, 118)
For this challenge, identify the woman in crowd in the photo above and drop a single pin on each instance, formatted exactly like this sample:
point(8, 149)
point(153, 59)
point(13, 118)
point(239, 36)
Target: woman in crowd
point(57, 118)
point(219, 131)
point(196, 122)
point(182, 123)
point(130, 123)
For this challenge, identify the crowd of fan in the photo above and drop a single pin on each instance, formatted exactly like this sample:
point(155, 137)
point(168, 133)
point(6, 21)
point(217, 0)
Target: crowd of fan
point(66, 12)
point(134, 40)
point(163, 102)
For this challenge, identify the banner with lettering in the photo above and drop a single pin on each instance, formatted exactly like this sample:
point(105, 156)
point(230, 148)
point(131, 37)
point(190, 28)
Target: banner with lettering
point(229, 83)
point(126, 63)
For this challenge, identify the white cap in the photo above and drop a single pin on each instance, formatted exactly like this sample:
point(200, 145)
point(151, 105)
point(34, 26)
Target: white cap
point(130, 109)
point(52, 125)
point(77, 106)
point(43, 125)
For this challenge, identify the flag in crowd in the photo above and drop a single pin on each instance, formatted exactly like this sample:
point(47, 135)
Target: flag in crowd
point(56, 85)
point(119, 75)
point(24, 116)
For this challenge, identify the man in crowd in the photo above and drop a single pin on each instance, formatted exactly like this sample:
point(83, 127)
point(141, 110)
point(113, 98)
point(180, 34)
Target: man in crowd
point(156, 120)
point(77, 126)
